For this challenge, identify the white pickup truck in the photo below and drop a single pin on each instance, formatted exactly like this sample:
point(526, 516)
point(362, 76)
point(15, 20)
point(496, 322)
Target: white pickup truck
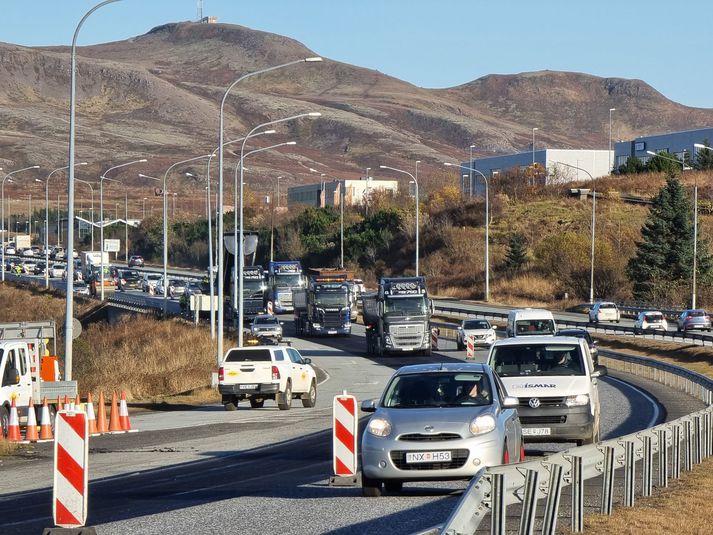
point(258, 373)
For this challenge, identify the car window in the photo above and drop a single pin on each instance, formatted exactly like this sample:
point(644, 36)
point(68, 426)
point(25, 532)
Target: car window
point(653, 317)
point(248, 355)
point(500, 388)
point(607, 306)
point(453, 389)
point(22, 360)
point(294, 356)
point(697, 313)
point(476, 324)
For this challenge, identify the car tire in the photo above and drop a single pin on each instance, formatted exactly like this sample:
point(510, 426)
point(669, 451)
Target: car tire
point(231, 405)
point(4, 422)
point(370, 488)
point(393, 487)
point(309, 399)
point(284, 400)
point(257, 403)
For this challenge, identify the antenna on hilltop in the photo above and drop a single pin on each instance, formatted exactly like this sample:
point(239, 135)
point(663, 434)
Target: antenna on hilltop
point(200, 10)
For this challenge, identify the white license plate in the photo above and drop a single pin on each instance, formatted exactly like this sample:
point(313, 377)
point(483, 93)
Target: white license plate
point(248, 387)
point(331, 332)
point(428, 457)
point(535, 431)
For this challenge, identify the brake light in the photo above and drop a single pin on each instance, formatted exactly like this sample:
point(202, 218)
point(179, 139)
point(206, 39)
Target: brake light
point(689, 317)
point(275, 373)
point(221, 374)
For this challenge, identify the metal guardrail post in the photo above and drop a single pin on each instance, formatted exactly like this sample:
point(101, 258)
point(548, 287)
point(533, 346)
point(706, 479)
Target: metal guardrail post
point(687, 446)
point(497, 509)
point(529, 503)
point(577, 521)
point(607, 481)
point(698, 435)
point(663, 458)
point(676, 452)
point(629, 474)
point(706, 434)
point(554, 492)
point(648, 465)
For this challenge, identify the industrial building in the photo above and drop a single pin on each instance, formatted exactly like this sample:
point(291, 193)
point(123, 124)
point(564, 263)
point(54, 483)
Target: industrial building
point(675, 143)
point(323, 194)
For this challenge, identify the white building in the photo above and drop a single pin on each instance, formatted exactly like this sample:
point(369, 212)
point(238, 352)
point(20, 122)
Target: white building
point(328, 193)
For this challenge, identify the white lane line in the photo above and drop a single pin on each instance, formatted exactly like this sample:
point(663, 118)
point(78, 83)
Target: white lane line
point(642, 393)
point(326, 379)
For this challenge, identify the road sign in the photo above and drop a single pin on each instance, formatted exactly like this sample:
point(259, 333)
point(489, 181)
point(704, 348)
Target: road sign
point(344, 439)
point(112, 246)
point(71, 455)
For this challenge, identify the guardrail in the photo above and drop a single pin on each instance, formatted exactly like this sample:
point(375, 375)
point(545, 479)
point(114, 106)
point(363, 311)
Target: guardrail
point(596, 327)
point(658, 454)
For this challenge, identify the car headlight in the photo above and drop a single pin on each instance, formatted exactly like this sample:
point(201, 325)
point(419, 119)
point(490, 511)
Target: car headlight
point(482, 424)
point(316, 325)
point(379, 427)
point(576, 401)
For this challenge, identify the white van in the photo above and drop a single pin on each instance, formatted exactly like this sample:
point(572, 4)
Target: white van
point(556, 384)
point(529, 322)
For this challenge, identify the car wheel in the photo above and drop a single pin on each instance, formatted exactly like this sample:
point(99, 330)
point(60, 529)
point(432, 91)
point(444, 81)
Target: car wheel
point(4, 422)
point(231, 405)
point(393, 487)
point(371, 488)
point(310, 398)
point(257, 403)
point(284, 400)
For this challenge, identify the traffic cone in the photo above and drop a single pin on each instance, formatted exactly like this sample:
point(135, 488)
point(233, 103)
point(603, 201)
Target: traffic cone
point(13, 428)
point(114, 425)
point(77, 403)
point(31, 431)
point(91, 420)
point(101, 420)
point(45, 423)
point(65, 405)
point(124, 413)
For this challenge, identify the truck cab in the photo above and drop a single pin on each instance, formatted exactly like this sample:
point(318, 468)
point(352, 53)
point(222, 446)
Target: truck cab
point(284, 278)
point(323, 308)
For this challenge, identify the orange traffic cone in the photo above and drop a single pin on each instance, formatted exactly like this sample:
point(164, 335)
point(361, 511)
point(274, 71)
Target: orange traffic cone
point(45, 423)
point(124, 413)
point(91, 420)
point(101, 419)
point(31, 432)
point(13, 428)
point(77, 403)
point(65, 405)
point(114, 425)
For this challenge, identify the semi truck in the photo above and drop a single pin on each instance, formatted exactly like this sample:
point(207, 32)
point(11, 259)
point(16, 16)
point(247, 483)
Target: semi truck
point(283, 278)
point(398, 317)
point(254, 290)
point(28, 370)
point(324, 307)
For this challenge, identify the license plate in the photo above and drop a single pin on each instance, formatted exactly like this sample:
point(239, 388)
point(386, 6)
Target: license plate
point(331, 332)
point(535, 431)
point(248, 387)
point(428, 456)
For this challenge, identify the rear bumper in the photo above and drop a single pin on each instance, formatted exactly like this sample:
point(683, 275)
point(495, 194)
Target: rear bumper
point(235, 390)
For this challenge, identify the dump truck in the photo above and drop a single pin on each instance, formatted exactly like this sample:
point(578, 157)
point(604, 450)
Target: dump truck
point(324, 307)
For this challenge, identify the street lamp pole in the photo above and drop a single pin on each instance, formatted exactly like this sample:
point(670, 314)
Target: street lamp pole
point(610, 155)
point(219, 352)
point(91, 188)
point(415, 181)
point(470, 166)
point(2, 214)
point(533, 148)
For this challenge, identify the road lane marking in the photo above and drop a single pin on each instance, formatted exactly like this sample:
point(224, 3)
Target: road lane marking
point(642, 393)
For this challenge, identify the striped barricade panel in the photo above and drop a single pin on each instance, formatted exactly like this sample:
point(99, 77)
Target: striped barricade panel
point(344, 440)
point(71, 453)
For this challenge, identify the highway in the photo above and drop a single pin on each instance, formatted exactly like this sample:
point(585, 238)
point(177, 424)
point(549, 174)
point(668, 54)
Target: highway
point(200, 469)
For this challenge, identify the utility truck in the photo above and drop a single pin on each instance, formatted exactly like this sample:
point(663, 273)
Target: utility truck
point(28, 371)
point(254, 289)
point(324, 307)
point(398, 317)
point(91, 265)
point(283, 278)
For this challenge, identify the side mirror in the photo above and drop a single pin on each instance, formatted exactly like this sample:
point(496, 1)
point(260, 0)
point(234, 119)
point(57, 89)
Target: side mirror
point(14, 376)
point(599, 371)
point(307, 360)
point(368, 405)
point(595, 343)
point(510, 402)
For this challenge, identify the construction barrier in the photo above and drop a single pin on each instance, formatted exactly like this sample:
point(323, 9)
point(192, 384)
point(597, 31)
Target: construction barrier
point(13, 428)
point(269, 307)
point(344, 440)
point(71, 450)
point(31, 434)
point(45, 423)
point(124, 415)
point(470, 348)
point(434, 337)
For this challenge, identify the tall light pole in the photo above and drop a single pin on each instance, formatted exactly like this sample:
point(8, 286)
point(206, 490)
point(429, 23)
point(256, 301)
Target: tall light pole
point(69, 309)
point(487, 221)
point(143, 209)
point(594, 224)
point(102, 178)
point(415, 181)
point(2, 214)
point(239, 246)
point(342, 184)
point(470, 165)
point(533, 148)
point(610, 154)
point(91, 188)
point(219, 352)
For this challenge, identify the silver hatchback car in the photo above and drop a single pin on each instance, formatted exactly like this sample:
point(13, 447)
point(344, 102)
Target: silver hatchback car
point(694, 319)
point(438, 422)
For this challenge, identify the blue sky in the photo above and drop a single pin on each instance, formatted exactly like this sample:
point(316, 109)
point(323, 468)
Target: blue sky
point(431, 43)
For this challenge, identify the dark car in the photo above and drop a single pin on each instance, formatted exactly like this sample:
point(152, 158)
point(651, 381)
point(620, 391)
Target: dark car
point(136, 261)
point(583, 333)
point(129, 280)
point(39, 268)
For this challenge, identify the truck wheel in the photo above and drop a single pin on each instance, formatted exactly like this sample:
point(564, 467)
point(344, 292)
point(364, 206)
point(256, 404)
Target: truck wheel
point(371, 488)
point(257, 403)
point(310, 398)
point(231, 405)
point(284, 400)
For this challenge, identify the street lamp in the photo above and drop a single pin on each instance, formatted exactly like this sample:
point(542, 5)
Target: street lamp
point(415, 181)
point(69, 310)
point(470, 165)
point(487, 220)
point(2, 212)
point(594, 224)
point(219, 353)
point(610, 155)
point(533, 148)
point(242, 168)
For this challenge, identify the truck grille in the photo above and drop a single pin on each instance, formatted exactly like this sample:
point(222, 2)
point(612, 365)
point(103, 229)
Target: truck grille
point(406, 335)
point(332, 320)
point(524, 402)
point(537, 420)
point(285, 298)
point(458, 459)
point(418, 437)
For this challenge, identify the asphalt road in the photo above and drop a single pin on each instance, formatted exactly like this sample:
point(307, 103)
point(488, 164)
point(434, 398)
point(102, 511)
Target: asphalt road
point(204, 470)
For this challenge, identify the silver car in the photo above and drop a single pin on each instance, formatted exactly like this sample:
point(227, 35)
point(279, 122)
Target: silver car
point(267, 325)
point(438, 422)
point(694, 319)
point(482, 331)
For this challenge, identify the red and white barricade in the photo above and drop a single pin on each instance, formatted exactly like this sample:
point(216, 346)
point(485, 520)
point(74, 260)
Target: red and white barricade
point(269, 307)
point(344, 439)
point(71, 454)
point(470, 348)
point(434, 337)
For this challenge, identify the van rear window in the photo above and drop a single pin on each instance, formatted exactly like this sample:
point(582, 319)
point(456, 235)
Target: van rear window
point(248, 355)
point(523, 327)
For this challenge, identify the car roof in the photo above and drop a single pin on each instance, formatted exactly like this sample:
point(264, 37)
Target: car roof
point(443, 367)
point(265, 316)
point(573, 331)
point(526, 313)
point(538, 340)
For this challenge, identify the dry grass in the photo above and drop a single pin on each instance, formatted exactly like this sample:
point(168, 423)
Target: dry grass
point(8, 448)
point(524, 290)
point(33, 303)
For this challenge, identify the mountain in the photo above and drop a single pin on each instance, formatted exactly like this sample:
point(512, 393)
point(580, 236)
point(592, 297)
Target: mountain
point(157, 96)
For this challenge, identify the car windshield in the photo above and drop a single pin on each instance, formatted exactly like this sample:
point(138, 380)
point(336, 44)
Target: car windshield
point(178, 284)
point(604, 306)
point(537, 359)
point(476, 324)
point(405, 306)
point(456, 389)
point(330, 299)
point(697, 313)
point(252, 288)
point(266, 321)
point(535, 327)
point(154, 277)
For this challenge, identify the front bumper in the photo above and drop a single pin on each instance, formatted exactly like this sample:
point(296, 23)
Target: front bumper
point(385, 458)
point(563, 424)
